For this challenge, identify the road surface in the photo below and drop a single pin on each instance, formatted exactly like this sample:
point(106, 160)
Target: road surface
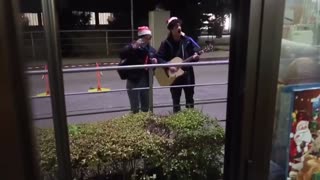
point(92, 103)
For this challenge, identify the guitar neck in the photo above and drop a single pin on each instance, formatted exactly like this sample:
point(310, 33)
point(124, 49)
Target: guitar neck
point(189, 59)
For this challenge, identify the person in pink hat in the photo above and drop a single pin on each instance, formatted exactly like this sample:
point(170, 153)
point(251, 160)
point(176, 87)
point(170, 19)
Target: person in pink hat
point(139, 52)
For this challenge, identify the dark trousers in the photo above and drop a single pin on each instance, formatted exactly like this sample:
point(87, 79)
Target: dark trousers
point(186, 79)
point(139, 99)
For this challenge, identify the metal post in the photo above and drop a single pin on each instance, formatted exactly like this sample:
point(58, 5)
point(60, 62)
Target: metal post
point(150, 70)
point(32, 46)
point(96, 16)
point(18, 157)
point(57, 89)
point(132, 23)
point(107, 43)
point(317, 39)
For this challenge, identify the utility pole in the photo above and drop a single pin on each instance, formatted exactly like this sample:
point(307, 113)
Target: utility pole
point(132, 23)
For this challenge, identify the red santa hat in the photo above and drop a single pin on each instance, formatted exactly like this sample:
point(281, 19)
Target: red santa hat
point(144, 30)
point(171, 22)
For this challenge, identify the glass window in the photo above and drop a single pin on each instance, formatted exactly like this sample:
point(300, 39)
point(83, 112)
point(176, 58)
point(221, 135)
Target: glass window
point(31, 18)
point(296, 140)
point(105, 18)
point(108, 138)
point(84, 17)
point(35, 58)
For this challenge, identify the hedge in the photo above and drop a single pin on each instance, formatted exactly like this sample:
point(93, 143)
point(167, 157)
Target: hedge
point(186, 145)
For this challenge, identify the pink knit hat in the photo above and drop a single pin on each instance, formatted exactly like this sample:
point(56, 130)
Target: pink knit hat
point(144, 30)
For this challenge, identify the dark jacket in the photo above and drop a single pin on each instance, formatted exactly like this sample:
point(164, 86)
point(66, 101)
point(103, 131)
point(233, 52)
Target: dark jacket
point(137, 57)
point(185, 48)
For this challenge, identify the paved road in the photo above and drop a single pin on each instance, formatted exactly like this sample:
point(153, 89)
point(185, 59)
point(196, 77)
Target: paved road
point(81, 82)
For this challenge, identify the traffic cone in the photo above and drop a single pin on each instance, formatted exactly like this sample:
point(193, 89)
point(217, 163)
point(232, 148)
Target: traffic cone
point(99, 88)
point(45, 77)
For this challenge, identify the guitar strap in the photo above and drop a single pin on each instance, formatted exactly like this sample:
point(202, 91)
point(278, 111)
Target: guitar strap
point(180, 50)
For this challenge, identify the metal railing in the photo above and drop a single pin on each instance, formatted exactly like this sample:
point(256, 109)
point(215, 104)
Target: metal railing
point(150, 88)
point(78, 43)
point(83, 43)
point(134, 89)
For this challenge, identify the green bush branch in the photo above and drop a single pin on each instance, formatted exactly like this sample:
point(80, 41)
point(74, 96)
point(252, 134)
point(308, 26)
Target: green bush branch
point(186, 145)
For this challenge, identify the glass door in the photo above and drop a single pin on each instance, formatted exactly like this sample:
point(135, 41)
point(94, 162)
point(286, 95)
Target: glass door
point(296, 138)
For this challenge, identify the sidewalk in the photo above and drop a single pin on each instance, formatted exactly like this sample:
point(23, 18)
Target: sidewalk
point(216, 55)
point(86, 62)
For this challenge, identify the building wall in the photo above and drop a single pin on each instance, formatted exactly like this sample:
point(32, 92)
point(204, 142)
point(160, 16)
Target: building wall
point(157, 23)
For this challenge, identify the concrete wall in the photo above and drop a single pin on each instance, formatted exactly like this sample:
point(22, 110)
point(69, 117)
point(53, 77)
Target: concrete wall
point(157, 23)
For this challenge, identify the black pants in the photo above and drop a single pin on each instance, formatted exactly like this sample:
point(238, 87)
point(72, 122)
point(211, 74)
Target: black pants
point(186, 79)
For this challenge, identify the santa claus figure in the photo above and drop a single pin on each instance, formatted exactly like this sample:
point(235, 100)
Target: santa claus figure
point(300, 141)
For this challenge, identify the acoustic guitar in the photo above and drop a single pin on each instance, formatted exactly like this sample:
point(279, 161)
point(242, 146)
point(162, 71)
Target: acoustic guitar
point(165, 77)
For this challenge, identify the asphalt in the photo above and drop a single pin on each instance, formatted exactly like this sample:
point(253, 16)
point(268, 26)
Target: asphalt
point(82, 82)
point(96, 105)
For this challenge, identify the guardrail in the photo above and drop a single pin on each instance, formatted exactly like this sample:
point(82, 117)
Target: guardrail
point(83, 43)
point(78, 43)
point(150, 68)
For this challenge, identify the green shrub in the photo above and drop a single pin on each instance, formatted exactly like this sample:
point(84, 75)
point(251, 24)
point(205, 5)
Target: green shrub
point(197, 149)
point(186, 145)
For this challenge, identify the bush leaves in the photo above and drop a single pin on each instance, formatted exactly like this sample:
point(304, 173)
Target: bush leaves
point(186, 145)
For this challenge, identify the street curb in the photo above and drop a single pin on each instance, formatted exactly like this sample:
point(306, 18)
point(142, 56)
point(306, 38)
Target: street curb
point(214, 58)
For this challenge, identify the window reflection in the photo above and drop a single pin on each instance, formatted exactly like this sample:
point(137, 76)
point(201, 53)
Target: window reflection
point(296, 141)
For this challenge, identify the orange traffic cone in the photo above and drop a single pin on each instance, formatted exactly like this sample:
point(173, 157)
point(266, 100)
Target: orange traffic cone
point(45, 77)
point(98, 77)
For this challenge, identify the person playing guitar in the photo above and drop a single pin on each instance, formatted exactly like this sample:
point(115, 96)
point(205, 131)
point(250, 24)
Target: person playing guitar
point(177, 44)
